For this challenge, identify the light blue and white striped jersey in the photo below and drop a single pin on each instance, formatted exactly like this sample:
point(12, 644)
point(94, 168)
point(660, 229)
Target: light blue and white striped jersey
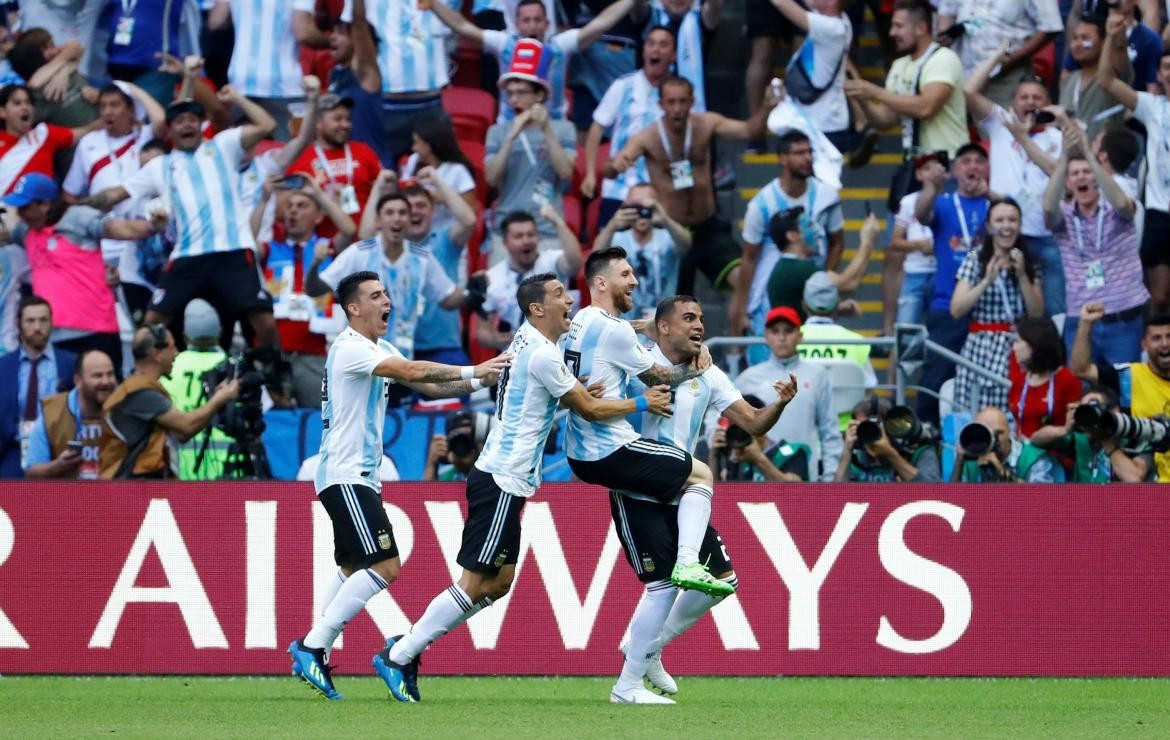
point(412, 44)
point(202, 191)
point(266, 60)
point(526, 403)
point(655, 264)
point(442, 324)
point(560, 48)
point(690, 400)
point(13, 272)
point(606, 349)
point(628, 106)
point(413, 280)
point(822, 216)
point(353, 411)
point(689, 47)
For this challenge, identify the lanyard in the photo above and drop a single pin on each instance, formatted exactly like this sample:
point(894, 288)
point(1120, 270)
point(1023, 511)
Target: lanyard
point(528, 149)
point(329, 172)
point(666, 143)
point(1024, 398)
point(962, 221)
point(1008, 304)
point(1081, 237)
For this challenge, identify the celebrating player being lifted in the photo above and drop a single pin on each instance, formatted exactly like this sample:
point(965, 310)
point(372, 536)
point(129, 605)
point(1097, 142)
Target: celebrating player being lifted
point(508, 472)
point(358, 373)
point(609, 452)
point(648, 527)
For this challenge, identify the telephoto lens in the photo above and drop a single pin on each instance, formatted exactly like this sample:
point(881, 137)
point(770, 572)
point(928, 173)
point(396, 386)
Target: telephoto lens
point(869, 431)
point(976, 439)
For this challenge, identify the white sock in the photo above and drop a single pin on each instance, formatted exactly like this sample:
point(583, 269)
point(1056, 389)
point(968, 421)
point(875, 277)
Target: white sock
point(687, 609)
point(350, 599)
point(446, 611)
point(331, 590)
point(694, 514)
point(644, 631)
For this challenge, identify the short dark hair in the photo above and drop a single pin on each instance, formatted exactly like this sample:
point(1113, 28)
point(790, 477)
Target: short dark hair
point(389, 197)
point(1094, 21)
point(1120, 146)
point(160, 144)
point(1047, 347)
point(112, 89)
point(531, 290)
point(667, 305)
point(677, 80)
point(1158, 319)
point(31, 300)
point(531, 2)
point(350, 286)
point(1111, 399)
point(515, 217)
point(79, 363)
point(415, 190)
point(599, 259)
point(919, 9)
point(788, 138)
point(665, 29)
point(8, 91)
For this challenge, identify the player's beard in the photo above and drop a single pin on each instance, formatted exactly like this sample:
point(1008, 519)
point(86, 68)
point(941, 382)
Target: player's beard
point(624, 302)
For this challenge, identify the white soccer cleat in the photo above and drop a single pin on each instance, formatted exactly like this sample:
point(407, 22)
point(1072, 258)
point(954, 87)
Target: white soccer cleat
point(658, 676)
point(637, 695)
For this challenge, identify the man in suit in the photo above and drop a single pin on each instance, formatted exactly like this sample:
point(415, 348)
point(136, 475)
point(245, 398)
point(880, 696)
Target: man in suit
point(39, 372)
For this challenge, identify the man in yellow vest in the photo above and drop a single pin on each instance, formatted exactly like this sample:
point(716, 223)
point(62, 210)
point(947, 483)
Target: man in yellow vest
point(1142, 387)
point(66, 439)
point(201, 329)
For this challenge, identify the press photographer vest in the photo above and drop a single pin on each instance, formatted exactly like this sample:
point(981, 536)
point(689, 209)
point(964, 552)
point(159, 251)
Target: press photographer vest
point(972, 472)
point(150, 458)
point(881, 473)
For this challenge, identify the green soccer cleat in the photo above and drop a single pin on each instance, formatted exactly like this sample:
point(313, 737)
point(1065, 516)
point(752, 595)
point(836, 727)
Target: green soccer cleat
point(696, 577)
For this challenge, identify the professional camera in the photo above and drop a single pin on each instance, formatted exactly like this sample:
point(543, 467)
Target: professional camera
point(1093, 418)
point(477, 294)
point(465, 430)
point(243, 420)
point(902, 426)
point(976, 439)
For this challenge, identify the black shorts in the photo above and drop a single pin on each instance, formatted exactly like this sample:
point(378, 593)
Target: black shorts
point(648, 532)
point(713, 252)
point(644, 465)
point(491, 535)
point(361, 532)
point(763, 19)
point(1156, 239)
point(229, 280)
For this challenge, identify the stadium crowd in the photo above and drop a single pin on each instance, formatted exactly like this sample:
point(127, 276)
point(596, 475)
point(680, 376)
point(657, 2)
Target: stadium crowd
point(186, 184)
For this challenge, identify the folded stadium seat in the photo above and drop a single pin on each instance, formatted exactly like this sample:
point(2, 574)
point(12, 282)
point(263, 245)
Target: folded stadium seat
point(578, 282)
point(847, 379)
point(475, 154)
point(470, 102)
point(571, 212)
point(592, 216)
point(467, 61)
point(1044, 63)
point(579, 168)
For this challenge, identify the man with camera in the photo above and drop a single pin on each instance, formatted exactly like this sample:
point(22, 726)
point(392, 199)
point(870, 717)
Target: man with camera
point(987, 453)
point(886, 444)
point(1142, 388)
point(1091, 438)
point(739, 455)
point(654, 244)
point(141, 419)
point(452, 455)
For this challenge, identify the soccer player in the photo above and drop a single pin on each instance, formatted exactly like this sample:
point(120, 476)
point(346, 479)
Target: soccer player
point(358, 373)
point(648, 527)
point(608, 452)
point(508, 472)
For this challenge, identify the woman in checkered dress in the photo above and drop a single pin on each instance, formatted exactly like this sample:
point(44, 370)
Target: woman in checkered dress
point(995, 284)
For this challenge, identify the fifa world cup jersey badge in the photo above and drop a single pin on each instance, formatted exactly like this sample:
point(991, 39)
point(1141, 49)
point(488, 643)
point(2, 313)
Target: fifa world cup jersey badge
point(384, 541)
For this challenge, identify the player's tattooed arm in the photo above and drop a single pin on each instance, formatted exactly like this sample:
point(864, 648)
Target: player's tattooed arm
point(420, 371)
point(672, 376)
point(448, 389)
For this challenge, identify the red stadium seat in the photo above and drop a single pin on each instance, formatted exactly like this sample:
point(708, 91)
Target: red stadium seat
point(470, 102)
point(467, 61)
point(1044, 63)
point(571, 212)
point(475, 154)
point(469, 128)
point(592, 216)
point(579, 167)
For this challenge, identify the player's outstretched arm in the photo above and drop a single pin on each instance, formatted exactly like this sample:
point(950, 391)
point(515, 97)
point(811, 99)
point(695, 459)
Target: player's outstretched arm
point(672, 376)
point(656, 400)
point(420, 371)
point(759, 421)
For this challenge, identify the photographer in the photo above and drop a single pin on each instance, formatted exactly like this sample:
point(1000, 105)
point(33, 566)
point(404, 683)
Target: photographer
point(873, 455)
point(737, 455)
point(140, 415)
point(1098, 456)
point(451, 456)
point(987, 453)
point(1142, 388)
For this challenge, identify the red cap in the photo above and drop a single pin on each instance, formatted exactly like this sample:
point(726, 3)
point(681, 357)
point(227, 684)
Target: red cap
point(783, 313)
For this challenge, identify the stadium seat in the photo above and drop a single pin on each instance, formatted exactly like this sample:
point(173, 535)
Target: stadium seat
point(475, 154)
point(571, 212)
point(848, 382)
point(470, 102)
point(1044, 63)
point(467, 61)
point(592, 216)
point(579, 167)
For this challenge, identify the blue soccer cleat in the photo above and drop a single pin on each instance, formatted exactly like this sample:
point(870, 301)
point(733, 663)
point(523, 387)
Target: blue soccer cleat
point(394, 674)
point(309, 666)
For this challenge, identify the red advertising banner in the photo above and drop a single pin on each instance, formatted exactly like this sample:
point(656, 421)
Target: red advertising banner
point(838, 580)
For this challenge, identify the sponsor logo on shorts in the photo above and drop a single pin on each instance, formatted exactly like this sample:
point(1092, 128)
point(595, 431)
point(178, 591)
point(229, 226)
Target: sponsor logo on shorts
point(384, 541)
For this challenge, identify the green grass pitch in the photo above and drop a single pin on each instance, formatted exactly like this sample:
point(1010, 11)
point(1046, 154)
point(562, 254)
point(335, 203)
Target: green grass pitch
point(204, 707)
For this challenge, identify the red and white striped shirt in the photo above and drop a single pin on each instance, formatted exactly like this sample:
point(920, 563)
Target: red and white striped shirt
point(32, 152)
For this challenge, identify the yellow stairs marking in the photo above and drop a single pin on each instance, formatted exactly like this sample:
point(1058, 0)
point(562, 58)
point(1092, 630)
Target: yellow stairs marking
point(846, 193)
point(773, 158)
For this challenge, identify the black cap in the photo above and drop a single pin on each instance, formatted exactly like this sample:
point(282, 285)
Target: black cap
point(179, 107)
point(460, 422)
point(970, 147)
point(783, 222)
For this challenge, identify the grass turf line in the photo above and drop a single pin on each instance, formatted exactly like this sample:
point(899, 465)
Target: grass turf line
point(152, 707)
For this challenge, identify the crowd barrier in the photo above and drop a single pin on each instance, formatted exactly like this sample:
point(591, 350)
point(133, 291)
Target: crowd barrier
point(834, 580)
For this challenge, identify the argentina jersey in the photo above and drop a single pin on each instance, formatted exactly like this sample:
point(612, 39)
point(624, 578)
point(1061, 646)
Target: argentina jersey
point(265, 59)
point(412, 48)
point(628, 106)
point(605, 349)
point(353, 411)
point(526, 403)
point(656, 264)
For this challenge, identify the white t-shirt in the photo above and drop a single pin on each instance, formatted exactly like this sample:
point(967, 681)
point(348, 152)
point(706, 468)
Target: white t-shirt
point(830, 38)
point(916, 262)
point(503, 282)
point(526, 406)
point(452, 173)
point(1154, 112)
point(353, 411)
point(1014, 174)
point(606, 349)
